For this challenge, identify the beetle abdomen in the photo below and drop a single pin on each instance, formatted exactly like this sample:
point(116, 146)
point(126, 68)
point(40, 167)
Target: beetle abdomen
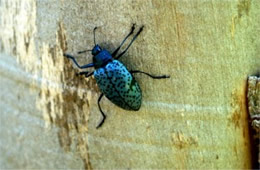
point(119, 86)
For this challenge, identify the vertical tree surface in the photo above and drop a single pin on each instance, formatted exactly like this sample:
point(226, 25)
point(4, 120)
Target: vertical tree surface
point(196, 119)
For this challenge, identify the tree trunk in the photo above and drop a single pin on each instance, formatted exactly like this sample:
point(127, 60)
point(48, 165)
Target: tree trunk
point(196, 119)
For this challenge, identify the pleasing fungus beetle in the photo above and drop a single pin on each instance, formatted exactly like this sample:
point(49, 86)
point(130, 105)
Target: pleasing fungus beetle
point(113, 78)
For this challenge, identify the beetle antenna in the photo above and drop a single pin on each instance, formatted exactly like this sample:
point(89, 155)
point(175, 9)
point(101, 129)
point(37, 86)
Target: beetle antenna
point(94, 35)
point(80, 52)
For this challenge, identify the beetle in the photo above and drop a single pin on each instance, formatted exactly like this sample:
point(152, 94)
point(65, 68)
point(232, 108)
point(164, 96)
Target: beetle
point(114, 80)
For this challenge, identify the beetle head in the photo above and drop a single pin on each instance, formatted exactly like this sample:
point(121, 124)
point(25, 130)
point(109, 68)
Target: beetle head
point(96, 50)
point(100, 56)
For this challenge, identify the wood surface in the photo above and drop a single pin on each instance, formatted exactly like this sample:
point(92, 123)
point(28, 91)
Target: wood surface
point(196, 119)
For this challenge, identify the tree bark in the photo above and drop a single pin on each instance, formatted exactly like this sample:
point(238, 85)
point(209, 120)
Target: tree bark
point(196, 119)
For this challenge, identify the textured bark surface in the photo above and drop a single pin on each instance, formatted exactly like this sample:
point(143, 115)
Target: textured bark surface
point(253, 100)
point(196, 119)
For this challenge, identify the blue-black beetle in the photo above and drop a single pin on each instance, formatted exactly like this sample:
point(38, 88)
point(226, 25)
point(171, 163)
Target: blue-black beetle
point(113, 78)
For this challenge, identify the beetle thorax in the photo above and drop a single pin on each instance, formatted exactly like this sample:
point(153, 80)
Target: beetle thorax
point(100, 56)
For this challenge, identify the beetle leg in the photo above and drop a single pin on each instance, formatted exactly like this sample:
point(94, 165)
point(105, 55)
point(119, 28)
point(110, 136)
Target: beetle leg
point(118, 48)
point(152, 76)
point(103, 115)
point(74, 60)
point(136, 35)
point(86, 73)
